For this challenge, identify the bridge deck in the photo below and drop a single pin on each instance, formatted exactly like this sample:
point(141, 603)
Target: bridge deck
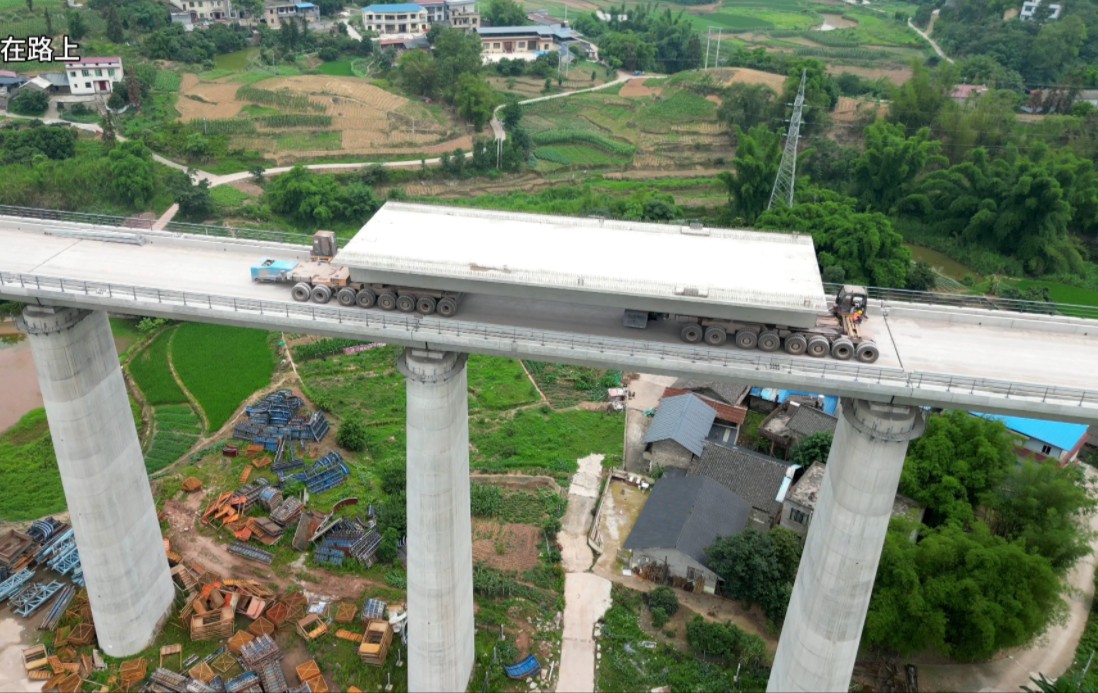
point(928, 354)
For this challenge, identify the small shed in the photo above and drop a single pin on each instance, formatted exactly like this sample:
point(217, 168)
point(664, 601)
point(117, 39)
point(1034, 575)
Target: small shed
point(676, 435)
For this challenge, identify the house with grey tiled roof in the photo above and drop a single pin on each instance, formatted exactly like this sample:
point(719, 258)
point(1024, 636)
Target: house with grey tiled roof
point(762, 481)
point(792, 422)
point(730, 392)
point(683, 516)
point(800, 503)
point(676, 435)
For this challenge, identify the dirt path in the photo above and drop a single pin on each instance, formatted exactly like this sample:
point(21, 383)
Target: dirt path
point(586, 595)
point(1053, 652)
point(926, 36)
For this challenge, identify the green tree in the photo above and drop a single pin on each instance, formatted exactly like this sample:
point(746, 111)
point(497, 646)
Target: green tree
point(475, 100)
point(964, 594)
point(1010, 204)
point(29, 102)
point(1041, 506)
point(504, 13)
point(418, 72)
point(663, 597)
point(987, 121)
point(890, 162)
point(49, 21)
point(862, 245)
point(754, 570)
point(194, 199)
point(753, 171)
point(392, 476)
point(352, 435)
point(77, 29)
point(627, 50)
point(917, 103)
point(820, 94)
point(457, 54)
point(956, 461)
point(511, 115)
point(131, 167)
point(814, 448)
point(114, 26)
point(747, 105)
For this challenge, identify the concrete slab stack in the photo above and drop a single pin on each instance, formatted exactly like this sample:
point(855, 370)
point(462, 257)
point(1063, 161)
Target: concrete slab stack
point(823, 626)
point(440, 553)
point(103, 474)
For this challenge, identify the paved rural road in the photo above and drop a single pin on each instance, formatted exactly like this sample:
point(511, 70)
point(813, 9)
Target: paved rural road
point(586, 595)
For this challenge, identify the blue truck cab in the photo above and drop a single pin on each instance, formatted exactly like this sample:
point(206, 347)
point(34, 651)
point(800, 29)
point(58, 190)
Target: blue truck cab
point(271, 270)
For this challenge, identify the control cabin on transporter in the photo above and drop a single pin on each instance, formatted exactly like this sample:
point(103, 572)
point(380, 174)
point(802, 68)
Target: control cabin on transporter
point(755, 289)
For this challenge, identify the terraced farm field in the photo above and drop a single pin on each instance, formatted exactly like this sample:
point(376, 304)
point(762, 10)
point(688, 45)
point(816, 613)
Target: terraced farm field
point(660, 125)
point(303, 117)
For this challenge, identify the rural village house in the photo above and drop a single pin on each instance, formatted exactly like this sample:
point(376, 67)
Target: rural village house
point(792, 422)
point(682, 518)
point(1043, 440)
point(800, 502)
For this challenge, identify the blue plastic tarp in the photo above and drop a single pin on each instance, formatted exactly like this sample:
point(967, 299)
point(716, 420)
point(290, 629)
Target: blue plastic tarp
point(524, 668)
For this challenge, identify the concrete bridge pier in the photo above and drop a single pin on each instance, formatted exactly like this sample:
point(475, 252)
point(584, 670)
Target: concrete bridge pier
point(103, 473)
point(823, 626)
point(440, 548)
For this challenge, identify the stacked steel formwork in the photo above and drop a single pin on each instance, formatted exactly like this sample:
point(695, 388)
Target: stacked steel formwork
point(277, 418)
point(328, 473)
point(264, 657)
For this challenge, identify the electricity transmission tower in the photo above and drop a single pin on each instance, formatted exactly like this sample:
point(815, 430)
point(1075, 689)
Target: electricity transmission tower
point(787, 170)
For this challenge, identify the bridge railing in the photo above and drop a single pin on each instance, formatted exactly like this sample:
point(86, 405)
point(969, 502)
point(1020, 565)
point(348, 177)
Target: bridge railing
point(879, 293)
point(147, 224)
point(418, 328)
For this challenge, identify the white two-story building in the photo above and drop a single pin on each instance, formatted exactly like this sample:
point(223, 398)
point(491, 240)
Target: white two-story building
point(90, 76)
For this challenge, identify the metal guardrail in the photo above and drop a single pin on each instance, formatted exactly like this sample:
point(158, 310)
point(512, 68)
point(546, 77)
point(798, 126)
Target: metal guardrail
point(418, 329)
point(975, 301)
point(147, 224)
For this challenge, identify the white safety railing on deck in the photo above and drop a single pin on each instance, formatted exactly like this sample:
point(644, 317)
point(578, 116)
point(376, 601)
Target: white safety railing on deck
point(419, 329)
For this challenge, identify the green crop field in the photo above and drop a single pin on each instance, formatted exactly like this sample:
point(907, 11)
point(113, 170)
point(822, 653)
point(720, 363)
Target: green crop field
point(28, 466)
point(337, 68)
point(310, 141)
point(150, 371)
point(177, 430)
point(496, 384)
point(221, 366)
point(547, 441)
point(576, 155)
point(166, 80)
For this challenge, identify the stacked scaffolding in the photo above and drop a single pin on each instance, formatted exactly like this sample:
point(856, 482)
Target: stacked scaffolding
point(287, 511)
point(34, 596)
point(276, 419)
point(328, 473)
point(263, 656)
point(253, 554)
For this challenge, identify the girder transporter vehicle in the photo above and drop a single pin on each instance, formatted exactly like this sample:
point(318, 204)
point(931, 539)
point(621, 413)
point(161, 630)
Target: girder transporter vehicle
point(756, 290)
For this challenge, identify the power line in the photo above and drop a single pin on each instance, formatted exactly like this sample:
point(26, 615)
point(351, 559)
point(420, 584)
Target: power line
point(787, 170)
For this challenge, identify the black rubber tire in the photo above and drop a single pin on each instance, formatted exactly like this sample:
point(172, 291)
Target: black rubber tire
point(715, 336)
point(691, 333)
point(447, 307)
point(301, 292)
point(387, 300)
point(867, 352)
point(406, 303)
point(745, 339)
point(842, 350)
point(321, 294)
point(818, 346)
point(769, 341)
point(796, 344)
point(346, 297)
point(426, 305)
point(366, 298)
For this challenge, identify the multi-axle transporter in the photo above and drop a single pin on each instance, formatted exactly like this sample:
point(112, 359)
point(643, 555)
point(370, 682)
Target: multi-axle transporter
point(756, 290)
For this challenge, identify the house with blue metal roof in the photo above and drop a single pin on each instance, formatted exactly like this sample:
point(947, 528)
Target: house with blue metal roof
point(278, 11)
point(1044, 439)
point(399, 19)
